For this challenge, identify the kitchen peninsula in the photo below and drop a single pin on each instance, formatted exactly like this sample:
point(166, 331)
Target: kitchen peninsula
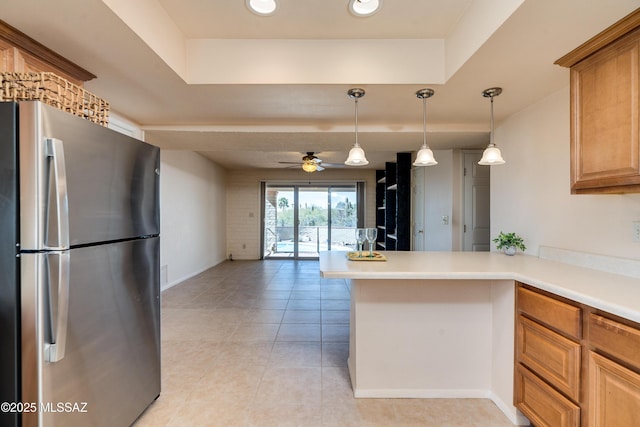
point(441, 324)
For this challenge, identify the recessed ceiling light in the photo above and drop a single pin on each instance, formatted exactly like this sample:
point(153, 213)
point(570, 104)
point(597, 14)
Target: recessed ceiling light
point(262, 7)
point(364, 7)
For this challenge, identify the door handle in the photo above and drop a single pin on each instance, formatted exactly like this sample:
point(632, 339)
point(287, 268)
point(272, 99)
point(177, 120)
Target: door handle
point(58, 290)
point(55, 150)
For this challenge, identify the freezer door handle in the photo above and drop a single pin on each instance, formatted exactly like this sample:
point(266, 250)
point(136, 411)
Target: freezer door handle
point(59, 222)
point(58, 290)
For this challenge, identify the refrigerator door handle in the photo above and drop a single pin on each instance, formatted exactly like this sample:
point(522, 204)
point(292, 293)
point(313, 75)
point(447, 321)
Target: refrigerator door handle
point(55, 150)
point(58, 290)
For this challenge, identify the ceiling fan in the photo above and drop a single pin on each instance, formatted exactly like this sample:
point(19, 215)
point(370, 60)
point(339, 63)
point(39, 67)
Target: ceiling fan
point(310, 163)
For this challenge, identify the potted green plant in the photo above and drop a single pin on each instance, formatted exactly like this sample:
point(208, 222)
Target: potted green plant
point(509, 242)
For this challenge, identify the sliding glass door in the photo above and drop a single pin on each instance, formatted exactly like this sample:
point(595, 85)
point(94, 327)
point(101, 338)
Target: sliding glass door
point(313, 217)
point(302, 220)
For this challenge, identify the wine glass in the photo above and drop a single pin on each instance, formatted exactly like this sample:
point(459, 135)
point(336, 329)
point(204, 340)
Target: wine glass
point(361, 236)
point(372, 234)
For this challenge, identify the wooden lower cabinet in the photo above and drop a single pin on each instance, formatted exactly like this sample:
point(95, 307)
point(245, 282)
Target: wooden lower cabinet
point(551, 312)
point(548, 359)
point(620, 340)
point(614, 394)
point(543, 405)
point(550, 355)
point(574, 365)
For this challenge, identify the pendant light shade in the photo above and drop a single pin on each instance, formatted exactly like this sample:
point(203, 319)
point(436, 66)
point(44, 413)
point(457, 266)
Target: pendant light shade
point(491, 154)
point(356, 155)
point(425, 158)
point(425, 155)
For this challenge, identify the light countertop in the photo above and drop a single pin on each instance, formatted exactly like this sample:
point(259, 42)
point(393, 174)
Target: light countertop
point(616, 294)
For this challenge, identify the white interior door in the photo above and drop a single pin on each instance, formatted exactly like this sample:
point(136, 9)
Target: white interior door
point(418, 209)
point(477, 220)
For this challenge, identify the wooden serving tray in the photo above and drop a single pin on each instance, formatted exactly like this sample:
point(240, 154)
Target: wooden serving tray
point(377, 256)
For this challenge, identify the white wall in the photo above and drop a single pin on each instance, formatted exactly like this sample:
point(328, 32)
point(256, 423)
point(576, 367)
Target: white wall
point(530, 194)
point(192, 215)
point(243, 202)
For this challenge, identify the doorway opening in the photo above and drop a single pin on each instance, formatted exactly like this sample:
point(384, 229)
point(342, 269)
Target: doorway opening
point(451, 203)
point(301, 220)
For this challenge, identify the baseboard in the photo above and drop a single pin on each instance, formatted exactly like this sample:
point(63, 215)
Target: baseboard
point(509, 411)
point(421, 394)
point(189, 276)
point(515, 417)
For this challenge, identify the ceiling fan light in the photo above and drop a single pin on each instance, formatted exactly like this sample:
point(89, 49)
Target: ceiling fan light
point(262, 7)
point(356, 157)
point(363, 8)
point(309, 166)
point(491, 156)
point(425, 157)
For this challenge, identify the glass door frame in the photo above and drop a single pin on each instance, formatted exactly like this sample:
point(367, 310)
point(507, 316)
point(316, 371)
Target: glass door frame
point(357, 186)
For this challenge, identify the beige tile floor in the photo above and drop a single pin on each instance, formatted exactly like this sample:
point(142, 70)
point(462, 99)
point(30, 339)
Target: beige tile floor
point(265, 343)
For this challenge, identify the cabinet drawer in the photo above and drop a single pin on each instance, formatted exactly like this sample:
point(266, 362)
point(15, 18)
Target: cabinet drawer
point(615, 338)
point(556, 314)
point(542, 404)
point(550, 355)
point(614, 394)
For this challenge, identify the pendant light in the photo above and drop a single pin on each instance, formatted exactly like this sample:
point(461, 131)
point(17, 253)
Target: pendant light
point(491, 154)
point(425, 155)
point(356, 155)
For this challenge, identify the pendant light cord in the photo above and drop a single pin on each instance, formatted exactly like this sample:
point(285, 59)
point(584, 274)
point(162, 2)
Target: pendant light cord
point(424, 122)
point(491, 133)
point(356, 99)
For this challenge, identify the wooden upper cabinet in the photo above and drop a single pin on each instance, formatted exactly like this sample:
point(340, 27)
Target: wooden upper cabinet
point(26, 63)
point(605, 113)
point(605, 118)
point(22, 54)
point(7, 52)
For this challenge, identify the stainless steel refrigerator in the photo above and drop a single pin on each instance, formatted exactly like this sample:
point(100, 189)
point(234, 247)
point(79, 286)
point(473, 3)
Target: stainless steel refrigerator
point(79, 271)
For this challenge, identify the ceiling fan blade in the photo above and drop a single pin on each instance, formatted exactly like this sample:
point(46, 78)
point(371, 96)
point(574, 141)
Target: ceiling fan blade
point(309, 158)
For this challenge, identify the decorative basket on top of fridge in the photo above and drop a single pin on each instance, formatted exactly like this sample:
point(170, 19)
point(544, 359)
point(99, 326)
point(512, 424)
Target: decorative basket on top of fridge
point(55, 91)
